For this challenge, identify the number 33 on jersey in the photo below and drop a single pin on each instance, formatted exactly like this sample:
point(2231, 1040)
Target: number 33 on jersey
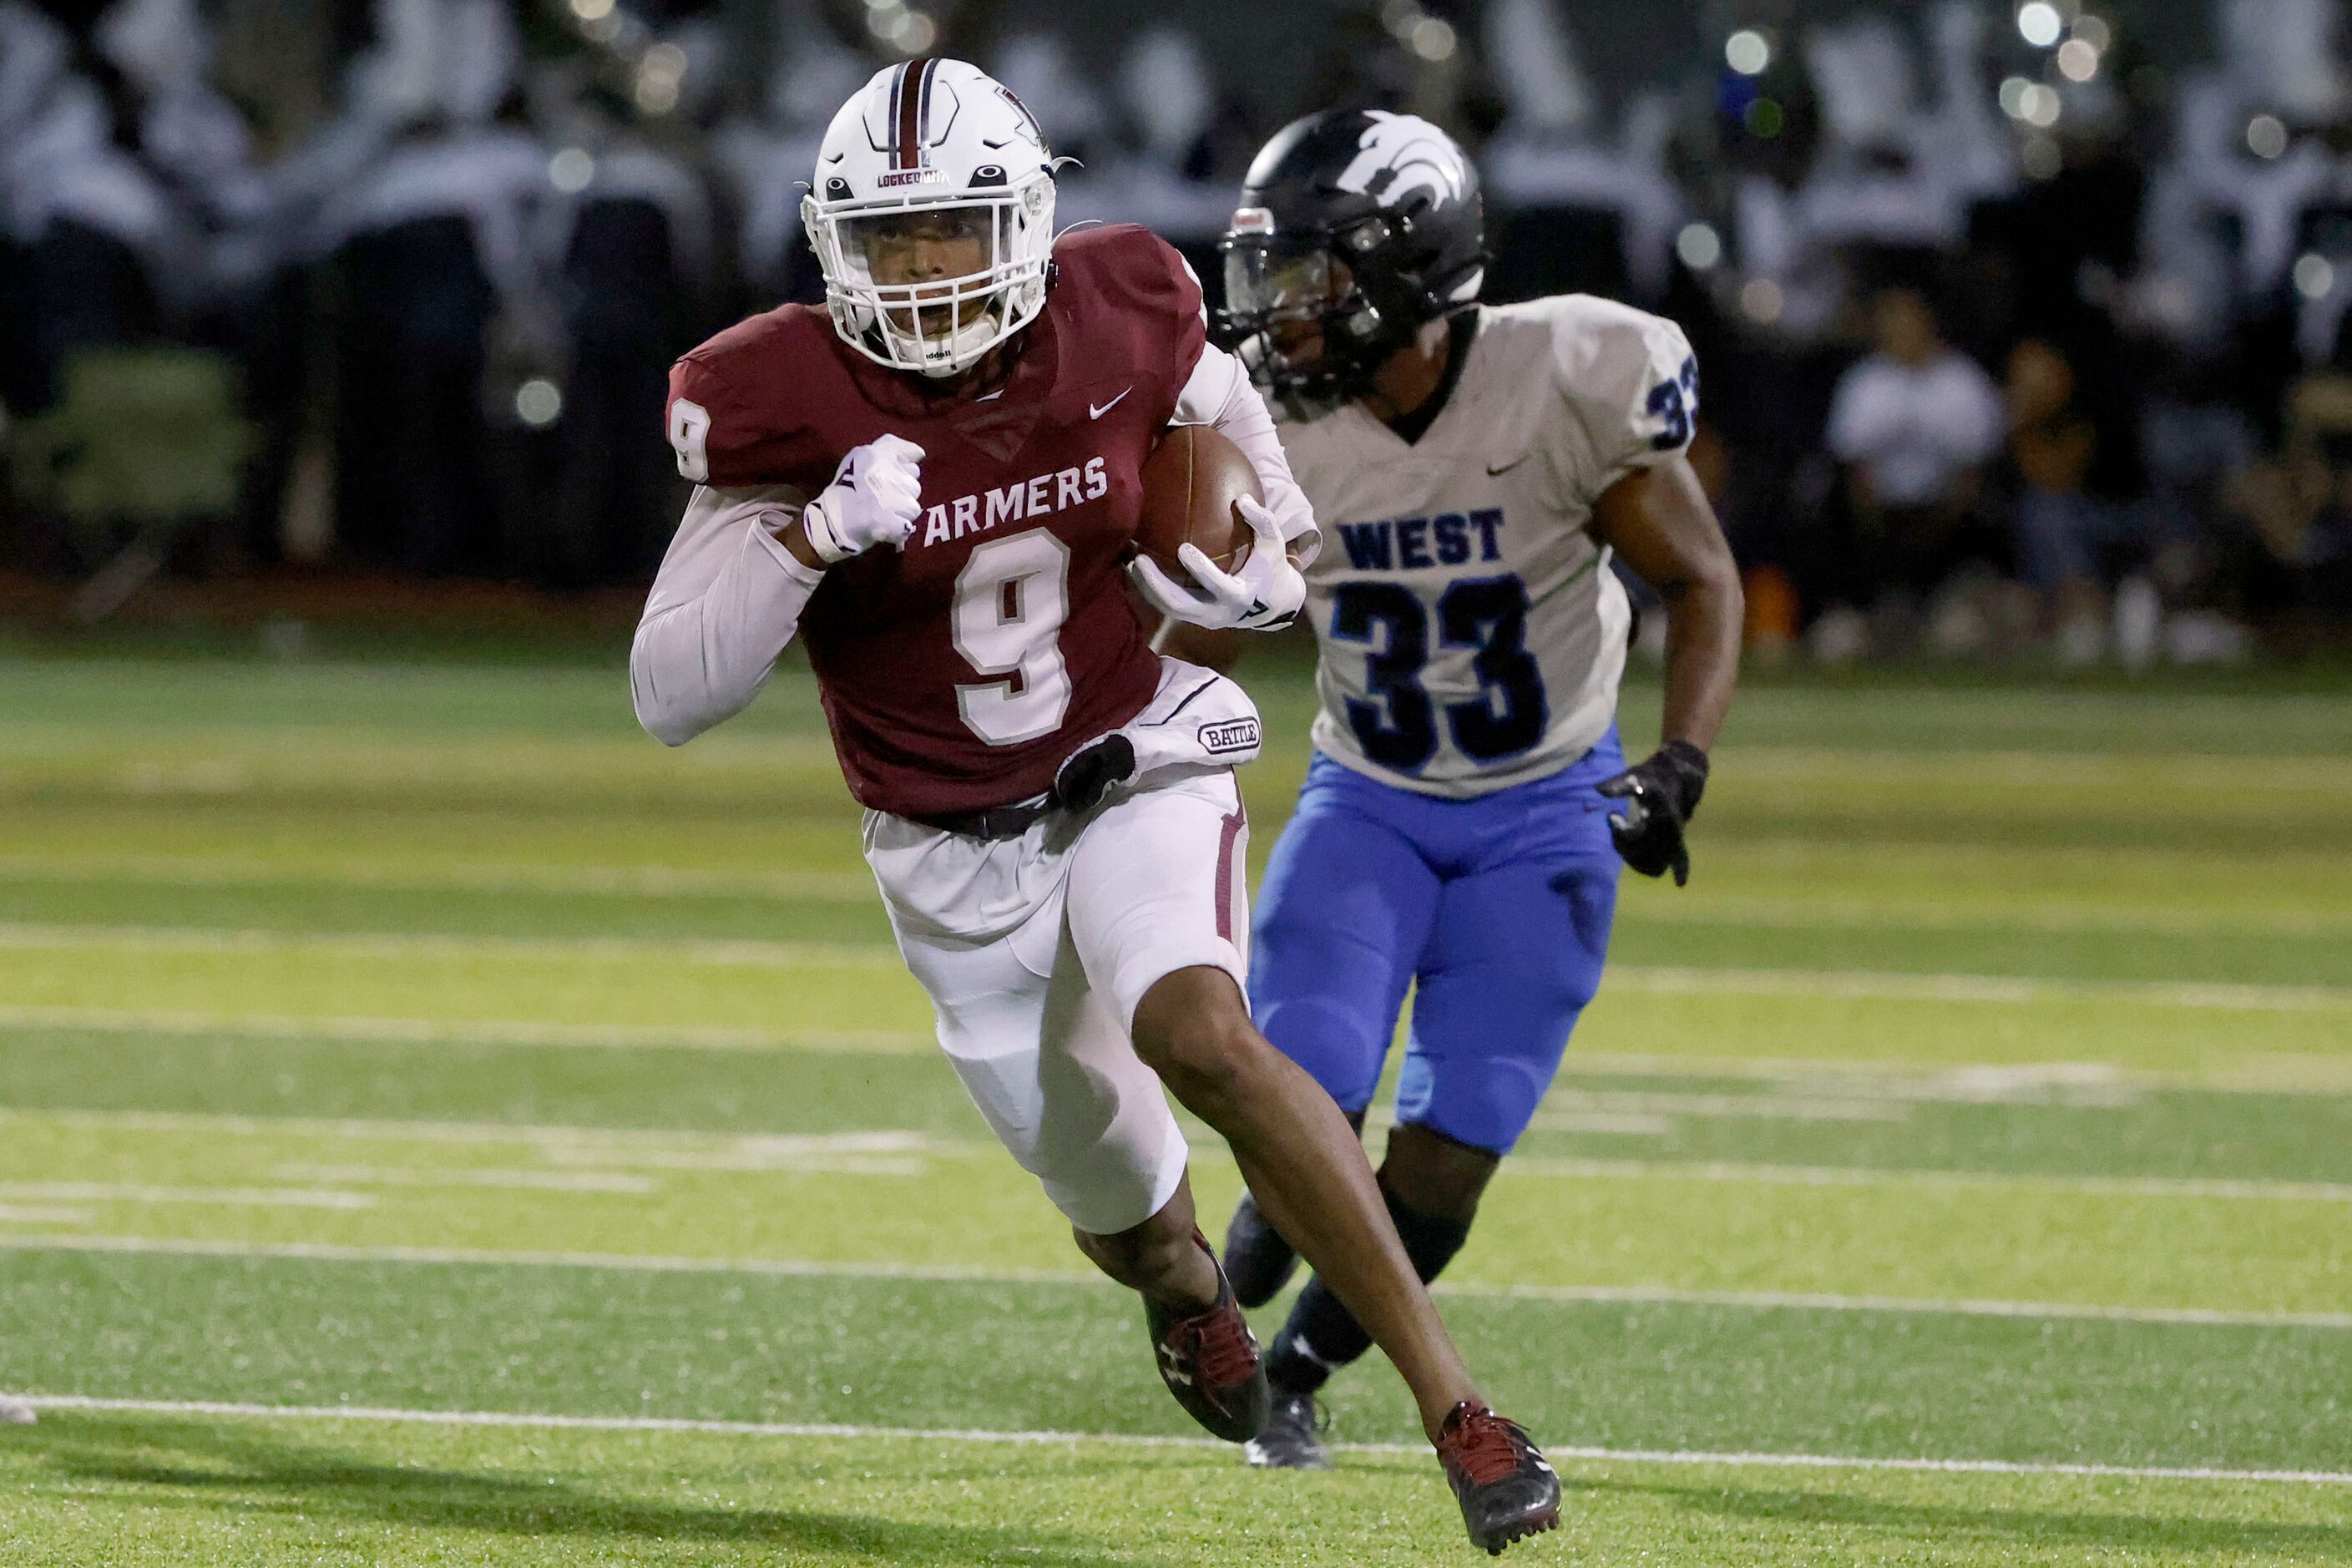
point(1473, 635)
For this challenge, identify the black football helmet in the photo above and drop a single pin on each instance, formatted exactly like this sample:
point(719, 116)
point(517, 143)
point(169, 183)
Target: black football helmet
point(1367, 225)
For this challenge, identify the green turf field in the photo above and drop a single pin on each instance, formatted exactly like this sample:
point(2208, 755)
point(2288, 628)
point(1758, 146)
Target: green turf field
point(439, 1125)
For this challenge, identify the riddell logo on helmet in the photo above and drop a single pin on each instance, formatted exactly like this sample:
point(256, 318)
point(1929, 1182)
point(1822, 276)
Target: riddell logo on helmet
point(910, 177)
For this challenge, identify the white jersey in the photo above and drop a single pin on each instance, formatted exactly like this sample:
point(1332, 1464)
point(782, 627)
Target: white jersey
point(1473, 635)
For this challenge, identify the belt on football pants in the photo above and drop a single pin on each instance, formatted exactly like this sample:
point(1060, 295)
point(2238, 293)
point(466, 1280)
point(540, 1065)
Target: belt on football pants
point(995, 822)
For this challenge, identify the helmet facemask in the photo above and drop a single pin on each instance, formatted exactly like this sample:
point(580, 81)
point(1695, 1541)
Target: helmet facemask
point(930, 281)
point(1295, 316)
point(1314, 312)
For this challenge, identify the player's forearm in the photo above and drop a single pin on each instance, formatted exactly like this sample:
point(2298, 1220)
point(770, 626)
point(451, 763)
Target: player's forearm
point(699, 661)
point(1704, 616)
point(1659, 521)
point(1220, 395)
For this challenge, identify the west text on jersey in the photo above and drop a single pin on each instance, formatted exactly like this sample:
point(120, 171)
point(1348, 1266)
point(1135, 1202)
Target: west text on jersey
point(1046, 493)
point(1410, 543)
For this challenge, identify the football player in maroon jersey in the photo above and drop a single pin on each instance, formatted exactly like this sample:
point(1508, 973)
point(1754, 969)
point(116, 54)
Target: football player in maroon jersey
point(934, 484)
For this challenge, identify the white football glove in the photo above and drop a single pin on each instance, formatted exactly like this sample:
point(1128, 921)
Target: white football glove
point(875, 498)
point(1263, 595)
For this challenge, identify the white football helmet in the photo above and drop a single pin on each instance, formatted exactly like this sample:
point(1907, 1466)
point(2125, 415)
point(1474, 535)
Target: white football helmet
point(932, 216)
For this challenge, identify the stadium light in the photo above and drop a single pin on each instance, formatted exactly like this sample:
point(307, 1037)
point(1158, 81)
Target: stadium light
point(1748, 51)
point(2266, 136)
point(1699, 246)
point(2077, 61)
point(1432, 38)
point(539, 403)
point(2314, 276)
point(2039, 23)
point(570, 170)
point(1760, 302)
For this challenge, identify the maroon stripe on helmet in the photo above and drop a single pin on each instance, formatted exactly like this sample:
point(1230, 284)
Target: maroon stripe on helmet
point(923, 114)
point(905, 120)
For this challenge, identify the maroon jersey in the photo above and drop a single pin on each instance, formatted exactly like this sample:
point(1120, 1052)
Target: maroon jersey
point(959, 672)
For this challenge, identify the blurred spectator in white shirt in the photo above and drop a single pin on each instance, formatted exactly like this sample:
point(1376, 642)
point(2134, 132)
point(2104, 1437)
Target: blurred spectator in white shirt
point(1913, 426)
point(1917, 421)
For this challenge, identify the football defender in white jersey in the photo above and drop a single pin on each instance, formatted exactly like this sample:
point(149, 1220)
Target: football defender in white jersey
point(1475, 468)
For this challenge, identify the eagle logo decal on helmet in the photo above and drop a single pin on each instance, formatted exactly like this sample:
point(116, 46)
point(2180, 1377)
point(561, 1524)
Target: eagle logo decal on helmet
point(1401, 154)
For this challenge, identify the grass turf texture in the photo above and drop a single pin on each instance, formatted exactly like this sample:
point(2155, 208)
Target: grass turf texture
point(2001, 1034)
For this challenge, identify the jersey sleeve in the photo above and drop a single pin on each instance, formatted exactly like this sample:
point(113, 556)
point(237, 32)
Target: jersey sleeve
point(1220, 395)
point(727, 600)
point(1143, 277)
point(736, 421)
point(1629, 381)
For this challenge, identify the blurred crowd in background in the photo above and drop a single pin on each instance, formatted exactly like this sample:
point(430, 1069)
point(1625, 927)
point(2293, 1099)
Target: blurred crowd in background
point(2022, 326)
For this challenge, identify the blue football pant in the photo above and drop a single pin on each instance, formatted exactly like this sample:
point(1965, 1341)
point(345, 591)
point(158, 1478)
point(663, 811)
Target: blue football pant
point(1499, 908)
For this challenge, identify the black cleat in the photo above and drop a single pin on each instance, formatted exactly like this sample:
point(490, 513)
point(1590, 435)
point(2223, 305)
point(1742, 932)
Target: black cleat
point(1498, 1477)
point(1258, 1260)
point(1292, 1438)
point(1211, 1362)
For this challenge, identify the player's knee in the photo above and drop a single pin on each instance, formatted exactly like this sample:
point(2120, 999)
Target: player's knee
point(1192, 1029)
point(1434, 1174)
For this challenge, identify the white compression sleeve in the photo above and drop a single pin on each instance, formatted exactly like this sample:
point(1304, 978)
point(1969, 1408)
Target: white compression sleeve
point(725, 604)
point(1220, 395)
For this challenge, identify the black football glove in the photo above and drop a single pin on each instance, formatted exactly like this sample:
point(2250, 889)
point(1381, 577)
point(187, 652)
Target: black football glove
point(1091, 770)
point(1660, 796)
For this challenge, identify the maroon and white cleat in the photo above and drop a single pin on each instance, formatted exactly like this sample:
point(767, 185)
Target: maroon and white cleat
point(1211, 1362)
point(1498, 1476)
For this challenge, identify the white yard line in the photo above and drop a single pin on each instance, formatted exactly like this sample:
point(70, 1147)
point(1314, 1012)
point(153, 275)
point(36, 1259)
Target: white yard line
point(2060, 919)
point(2023, 1082)
point(467, 1032)
point(2289, 773)
point(877, 1150)
point(857, 887)
point(1862, 1176)
point(651, 1147)
point(1655, 979)
point(793, 1269)
point(1888, 985)
point(143, 1192)
point(1783, 1107)
point(396, 946)
point(461, 1176)
point(636, 881)
point(1733, 1459)
point(2063, 1083)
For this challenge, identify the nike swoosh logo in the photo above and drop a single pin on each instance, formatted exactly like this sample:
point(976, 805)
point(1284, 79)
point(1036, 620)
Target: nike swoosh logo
point(1094, 413)
point(1494, 471)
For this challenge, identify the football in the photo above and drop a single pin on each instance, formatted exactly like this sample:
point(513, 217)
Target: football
point(1190, 482)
